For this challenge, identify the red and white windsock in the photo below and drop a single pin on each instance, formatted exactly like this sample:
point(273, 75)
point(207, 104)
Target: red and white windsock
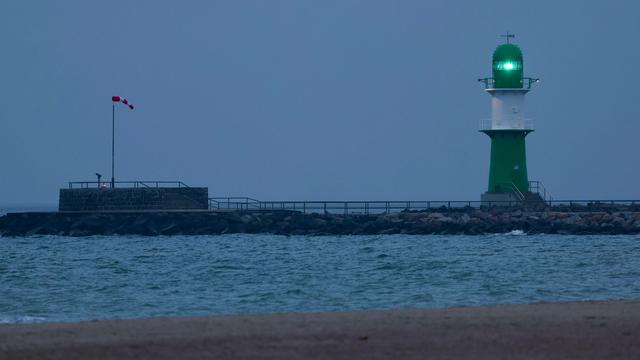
point(122, 100)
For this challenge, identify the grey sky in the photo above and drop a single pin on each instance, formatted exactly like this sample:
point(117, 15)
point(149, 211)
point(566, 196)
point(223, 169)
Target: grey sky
point(313, 100)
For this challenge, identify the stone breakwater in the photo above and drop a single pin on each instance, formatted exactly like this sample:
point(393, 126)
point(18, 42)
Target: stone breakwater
point(621, 220)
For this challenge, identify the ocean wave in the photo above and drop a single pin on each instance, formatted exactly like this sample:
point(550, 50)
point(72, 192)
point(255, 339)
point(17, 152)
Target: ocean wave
point(21, 319)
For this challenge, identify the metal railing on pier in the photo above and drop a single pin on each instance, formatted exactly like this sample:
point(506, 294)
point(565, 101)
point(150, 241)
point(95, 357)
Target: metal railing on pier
point(344, 207)
point(537, 187)
point(234, 203)
point(593, 203)
point(126, 184)
point(382, 207)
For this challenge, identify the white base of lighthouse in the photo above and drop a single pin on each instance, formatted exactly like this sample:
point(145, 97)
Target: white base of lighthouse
point(507, 110)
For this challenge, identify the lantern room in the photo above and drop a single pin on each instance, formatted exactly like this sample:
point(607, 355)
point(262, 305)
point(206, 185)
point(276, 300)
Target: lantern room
point(507, 67)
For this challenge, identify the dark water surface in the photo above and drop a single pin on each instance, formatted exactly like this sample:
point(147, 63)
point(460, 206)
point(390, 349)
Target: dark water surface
point(51, 278)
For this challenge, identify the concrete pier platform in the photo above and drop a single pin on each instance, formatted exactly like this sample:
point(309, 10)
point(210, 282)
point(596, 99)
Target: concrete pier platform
point(134, 198)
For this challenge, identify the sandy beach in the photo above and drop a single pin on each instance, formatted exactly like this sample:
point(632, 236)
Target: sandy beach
point(578, 330)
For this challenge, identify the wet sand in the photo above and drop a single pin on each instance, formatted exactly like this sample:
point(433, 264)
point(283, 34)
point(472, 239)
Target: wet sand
point(579, 330)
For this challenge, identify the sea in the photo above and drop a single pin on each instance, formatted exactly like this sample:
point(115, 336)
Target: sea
point(61, 279)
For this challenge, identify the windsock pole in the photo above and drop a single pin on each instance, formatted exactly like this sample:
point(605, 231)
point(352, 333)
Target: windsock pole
point(114, 100)
point(113, 143)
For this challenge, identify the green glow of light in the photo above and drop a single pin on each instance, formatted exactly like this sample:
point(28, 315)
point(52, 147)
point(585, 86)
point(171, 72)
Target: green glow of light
point(508, 65)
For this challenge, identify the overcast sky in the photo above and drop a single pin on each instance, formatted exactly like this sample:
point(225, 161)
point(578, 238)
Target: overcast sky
point(310, 100)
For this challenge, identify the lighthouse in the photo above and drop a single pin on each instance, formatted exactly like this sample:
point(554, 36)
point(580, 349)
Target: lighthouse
point(508, 127)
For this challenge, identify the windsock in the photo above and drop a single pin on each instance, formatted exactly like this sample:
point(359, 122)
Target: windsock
point(122, 100)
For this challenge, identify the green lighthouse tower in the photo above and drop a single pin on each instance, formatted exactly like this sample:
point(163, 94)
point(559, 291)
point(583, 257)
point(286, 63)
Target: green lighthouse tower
point(507, 127)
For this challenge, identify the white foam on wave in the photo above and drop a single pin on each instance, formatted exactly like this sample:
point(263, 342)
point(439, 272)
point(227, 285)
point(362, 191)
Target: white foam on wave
point(516, 233)
point(21, 319)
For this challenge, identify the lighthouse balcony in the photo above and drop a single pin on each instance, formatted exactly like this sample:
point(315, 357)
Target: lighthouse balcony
point(515, 124)
point(525, 84)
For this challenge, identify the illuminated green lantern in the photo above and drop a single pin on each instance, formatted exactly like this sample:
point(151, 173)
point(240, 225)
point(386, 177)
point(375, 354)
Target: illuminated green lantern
point(507, 67)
